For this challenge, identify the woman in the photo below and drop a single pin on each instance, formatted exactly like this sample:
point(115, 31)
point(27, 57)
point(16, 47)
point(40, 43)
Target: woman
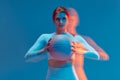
point(79, 59)
point(59, 69)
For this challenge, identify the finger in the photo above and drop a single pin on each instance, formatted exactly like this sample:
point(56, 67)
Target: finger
point(50, 39)
point(73, 46)
point(48, 47)
point(71, 43)
point(75, 43)
point(48, 44)
point(80, 44)
point(73, 49)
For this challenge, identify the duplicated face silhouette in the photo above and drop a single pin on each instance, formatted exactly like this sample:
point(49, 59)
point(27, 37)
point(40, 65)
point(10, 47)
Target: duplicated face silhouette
point(73, 21)
point(61, 20)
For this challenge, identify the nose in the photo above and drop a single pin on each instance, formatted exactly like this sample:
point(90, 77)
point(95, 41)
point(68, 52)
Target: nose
point(61, 21)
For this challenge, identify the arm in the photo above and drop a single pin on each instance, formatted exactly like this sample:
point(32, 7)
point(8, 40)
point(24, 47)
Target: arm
point(37, 51)
point(101, 52)
point(91, 52)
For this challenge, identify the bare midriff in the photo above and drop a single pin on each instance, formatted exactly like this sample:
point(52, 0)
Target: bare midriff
point(60, 63)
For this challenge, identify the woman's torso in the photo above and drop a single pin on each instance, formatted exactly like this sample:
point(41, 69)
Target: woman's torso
point(60, 69)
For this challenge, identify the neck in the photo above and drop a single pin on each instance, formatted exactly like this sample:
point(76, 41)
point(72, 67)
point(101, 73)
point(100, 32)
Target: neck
point(59, 31)
point(72, 31)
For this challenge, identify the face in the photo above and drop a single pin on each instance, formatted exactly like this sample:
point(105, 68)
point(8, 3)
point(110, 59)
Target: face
point(61, 20)
point(73, 21)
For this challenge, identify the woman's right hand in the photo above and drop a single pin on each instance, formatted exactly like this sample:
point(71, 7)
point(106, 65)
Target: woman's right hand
point(48, 46)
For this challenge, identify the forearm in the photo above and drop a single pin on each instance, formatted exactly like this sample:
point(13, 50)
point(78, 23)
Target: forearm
point(103, 55)
point(32, 56)
point(92, 55)
point(84, 49)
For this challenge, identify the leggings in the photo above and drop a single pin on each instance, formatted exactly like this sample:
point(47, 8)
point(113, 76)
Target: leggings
point(64, 73)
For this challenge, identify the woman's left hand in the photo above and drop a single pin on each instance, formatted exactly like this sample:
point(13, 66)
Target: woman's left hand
point(77, 47)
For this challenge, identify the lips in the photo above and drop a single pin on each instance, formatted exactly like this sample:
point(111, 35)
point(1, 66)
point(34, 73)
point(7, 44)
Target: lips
point(61, 25)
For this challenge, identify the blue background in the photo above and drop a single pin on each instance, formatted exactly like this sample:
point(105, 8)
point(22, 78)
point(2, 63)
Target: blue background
point(22, 21)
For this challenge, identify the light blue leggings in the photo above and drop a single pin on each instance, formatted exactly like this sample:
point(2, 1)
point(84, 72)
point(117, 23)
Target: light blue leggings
point(64, 73)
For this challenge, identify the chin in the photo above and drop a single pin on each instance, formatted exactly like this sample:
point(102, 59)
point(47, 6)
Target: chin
point(61, 27)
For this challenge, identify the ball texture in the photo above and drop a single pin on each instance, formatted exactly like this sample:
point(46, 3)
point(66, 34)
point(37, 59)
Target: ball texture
point(60, 47)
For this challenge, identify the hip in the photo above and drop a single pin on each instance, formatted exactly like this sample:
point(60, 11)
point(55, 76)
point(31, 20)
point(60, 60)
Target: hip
point(64, 73)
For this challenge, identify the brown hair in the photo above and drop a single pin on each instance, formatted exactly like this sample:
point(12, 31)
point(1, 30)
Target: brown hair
point(58, 10)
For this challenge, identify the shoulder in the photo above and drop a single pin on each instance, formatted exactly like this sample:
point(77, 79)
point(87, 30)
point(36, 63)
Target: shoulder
point(45, 37)
point(83, 36)
point(80, 38)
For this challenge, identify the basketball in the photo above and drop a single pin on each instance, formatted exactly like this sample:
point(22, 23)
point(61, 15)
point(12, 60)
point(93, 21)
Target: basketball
point(60, 47)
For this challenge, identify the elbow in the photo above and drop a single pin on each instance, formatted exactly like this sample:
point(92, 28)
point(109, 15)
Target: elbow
point(30, 58)
point(26, 58)
point(98, 57)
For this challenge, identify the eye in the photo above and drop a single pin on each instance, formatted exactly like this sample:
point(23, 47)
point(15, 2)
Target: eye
point(57, 19)
point(64, 18)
